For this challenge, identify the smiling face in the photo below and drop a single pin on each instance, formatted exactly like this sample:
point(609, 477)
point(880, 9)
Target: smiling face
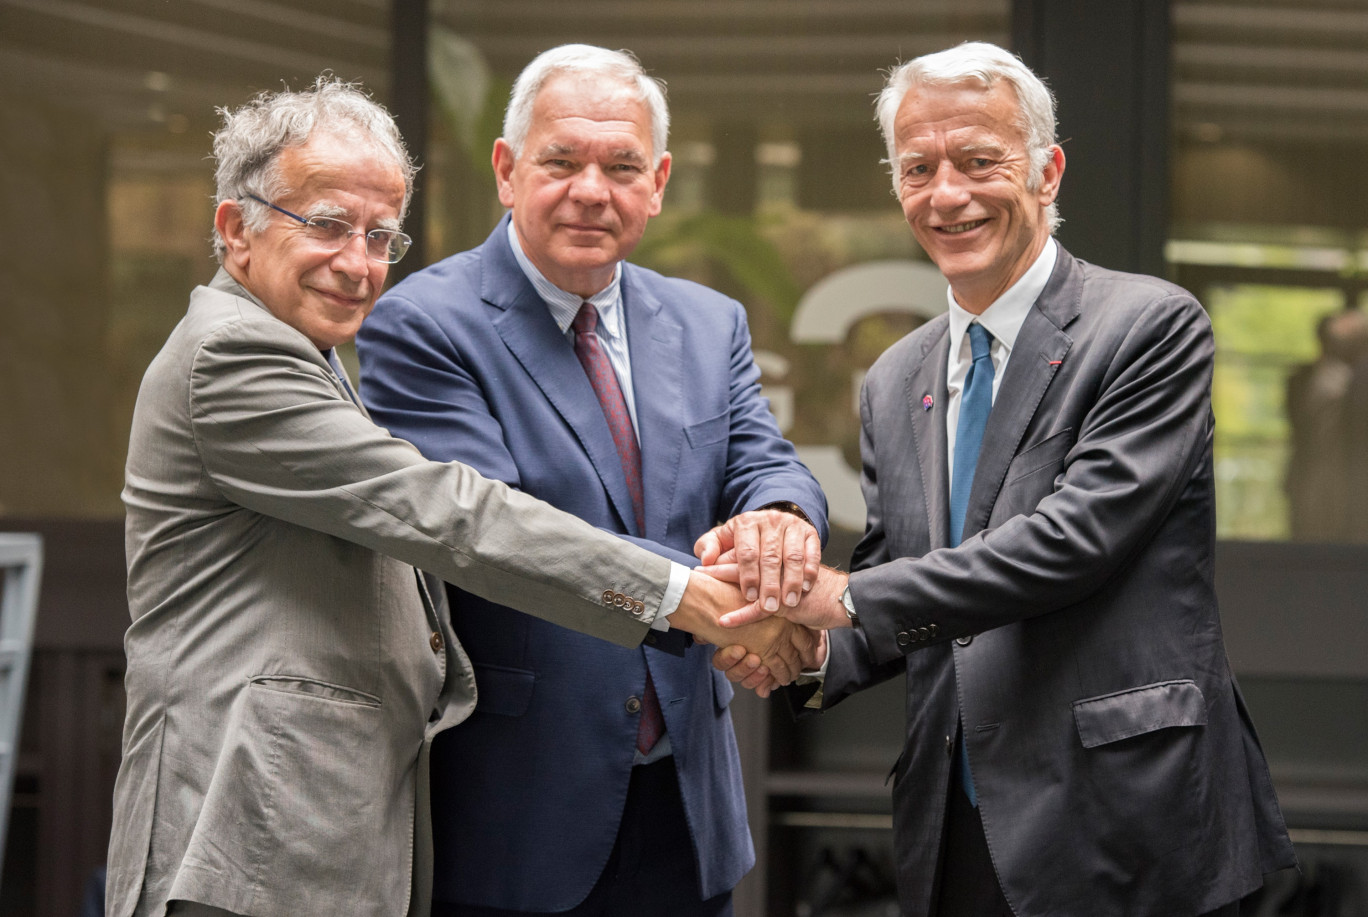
point(585, 184)
point(325, 295)
point(965, 184)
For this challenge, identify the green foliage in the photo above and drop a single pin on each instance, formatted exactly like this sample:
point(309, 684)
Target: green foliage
point(732, 242)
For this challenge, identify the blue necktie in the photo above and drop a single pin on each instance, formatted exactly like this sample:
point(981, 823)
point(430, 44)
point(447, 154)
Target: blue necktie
point(973, 417)
point(974, 409)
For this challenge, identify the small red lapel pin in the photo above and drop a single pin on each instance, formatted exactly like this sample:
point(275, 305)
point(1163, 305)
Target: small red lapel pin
point(927, 403)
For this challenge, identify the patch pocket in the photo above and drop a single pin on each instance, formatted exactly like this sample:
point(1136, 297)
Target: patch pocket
point(1136, 711)
point(707, 432)
point(503, 690)
point(294, 684)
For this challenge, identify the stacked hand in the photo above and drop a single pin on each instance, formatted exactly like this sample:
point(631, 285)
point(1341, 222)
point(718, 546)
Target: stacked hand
point(771, 555)
point(781, 647)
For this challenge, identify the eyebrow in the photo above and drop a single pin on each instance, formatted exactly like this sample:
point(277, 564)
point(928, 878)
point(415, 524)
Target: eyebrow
point(996, 149)
point(324, 209)
point(623, 154)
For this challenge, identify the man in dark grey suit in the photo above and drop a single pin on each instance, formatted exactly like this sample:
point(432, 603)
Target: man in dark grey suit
point(1038, 557)
point(287, 665)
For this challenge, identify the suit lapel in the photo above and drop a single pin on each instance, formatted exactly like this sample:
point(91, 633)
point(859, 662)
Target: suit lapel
point(655, 342)
point(1040, 348)
point(532, 336)
point(926, 380)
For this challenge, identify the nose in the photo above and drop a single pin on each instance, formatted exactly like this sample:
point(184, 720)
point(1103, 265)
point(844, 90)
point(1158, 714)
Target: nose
point(949, 188)
point(351, 258)
point(590, 186)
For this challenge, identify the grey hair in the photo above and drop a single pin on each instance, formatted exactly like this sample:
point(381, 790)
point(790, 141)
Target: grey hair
point(247, 148)
point(984, 64)
point(621, 66)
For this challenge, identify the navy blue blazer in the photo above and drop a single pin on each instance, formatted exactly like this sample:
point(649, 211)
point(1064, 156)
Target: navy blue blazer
point(464, 360)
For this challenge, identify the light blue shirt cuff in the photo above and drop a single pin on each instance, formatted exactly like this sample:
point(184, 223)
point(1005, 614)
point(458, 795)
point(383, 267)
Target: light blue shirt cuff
point(674, 593)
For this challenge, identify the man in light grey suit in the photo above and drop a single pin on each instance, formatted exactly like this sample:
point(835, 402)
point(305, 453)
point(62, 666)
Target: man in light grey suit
point(1038, 556)
point(287, 665)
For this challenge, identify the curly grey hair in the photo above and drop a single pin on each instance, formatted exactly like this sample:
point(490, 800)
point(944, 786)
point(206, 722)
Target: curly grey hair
point(247, 148)
point(621, 66)
point(984, 64)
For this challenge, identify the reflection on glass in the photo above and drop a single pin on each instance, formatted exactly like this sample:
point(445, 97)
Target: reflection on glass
point(1262, 333)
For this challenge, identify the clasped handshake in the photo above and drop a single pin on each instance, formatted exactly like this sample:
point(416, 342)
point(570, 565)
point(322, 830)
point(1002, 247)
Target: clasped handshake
point(763, 597)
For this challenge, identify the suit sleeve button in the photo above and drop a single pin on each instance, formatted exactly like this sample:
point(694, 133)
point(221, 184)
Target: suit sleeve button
point(633, 705)
point(638, 608)
point(923, 633)
point(436, 642)
point(964, 641)
point(904, 638)
point(607, 596)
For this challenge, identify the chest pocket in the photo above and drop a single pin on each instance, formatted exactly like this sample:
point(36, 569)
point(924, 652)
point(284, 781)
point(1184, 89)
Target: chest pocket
point(707, 432)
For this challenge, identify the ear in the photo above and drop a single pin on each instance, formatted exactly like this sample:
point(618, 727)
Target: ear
point(503, 160)
point(661, 178)
point(237, 243)
point(1050, 176)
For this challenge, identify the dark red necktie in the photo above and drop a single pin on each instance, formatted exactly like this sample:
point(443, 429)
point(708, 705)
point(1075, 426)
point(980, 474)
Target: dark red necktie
point(605, 382)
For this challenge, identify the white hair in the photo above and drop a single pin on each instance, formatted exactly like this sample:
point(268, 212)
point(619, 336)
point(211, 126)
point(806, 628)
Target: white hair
point(620, 66)
point(247, 148)
point(983, 64)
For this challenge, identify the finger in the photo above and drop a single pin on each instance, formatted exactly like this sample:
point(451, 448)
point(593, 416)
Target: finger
point(771, 562)
point(761, 676)
point(747, 614)
point(709, 545)
point(746, 668)
point(794, 571)
point(783, 664)
point(727, 573)
point(812, 558)
point(728, 656)
point(746, 545)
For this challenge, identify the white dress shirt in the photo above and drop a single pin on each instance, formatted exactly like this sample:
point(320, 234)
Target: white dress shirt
point(1002, 319)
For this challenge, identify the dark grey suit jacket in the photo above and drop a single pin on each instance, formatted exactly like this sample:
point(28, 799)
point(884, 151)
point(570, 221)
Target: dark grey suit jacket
point(1076, 633)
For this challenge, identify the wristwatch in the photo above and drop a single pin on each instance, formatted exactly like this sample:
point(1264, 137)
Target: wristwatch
point(788, 506)
point(849, 604)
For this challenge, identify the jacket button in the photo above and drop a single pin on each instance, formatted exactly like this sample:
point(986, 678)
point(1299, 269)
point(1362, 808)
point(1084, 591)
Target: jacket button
point(923, 633)
point(607, 596)
point(904, 638)
point(436, 642)
point(964, 641)
point(633, 705)
point(638, 608)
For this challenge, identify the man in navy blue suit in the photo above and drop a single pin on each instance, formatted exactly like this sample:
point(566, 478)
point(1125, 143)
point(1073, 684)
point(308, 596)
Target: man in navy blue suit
point(592, 779)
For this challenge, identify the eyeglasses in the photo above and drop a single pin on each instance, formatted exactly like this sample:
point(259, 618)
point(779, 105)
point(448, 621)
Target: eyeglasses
point(331, 234)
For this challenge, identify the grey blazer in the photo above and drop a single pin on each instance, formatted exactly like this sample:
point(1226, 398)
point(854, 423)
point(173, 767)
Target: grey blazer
point(287, 668)
point(1076, 634)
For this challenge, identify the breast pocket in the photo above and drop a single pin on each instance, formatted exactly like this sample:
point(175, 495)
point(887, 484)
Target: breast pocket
point(1031, 475)
point(707, 432)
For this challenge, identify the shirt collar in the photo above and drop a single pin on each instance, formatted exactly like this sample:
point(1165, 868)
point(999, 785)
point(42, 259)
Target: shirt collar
point(564, 306)
point(1005, 315)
